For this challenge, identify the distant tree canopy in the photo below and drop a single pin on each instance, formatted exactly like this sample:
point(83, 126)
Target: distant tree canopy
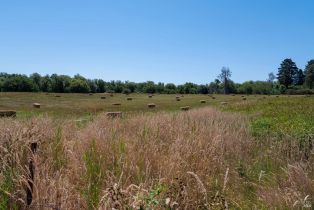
point(291, 80)
point(309, 74)
point(287, 73)
point(224, 77)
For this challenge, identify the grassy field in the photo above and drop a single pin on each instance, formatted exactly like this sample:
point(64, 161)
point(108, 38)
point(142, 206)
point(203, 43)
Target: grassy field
point(247, 154)
point(70, 105)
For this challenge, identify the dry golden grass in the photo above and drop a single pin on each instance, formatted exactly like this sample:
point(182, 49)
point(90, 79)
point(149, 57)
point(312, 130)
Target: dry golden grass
point(185, 160)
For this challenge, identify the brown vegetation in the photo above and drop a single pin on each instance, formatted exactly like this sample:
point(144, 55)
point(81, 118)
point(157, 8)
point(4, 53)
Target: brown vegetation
point(201, 159)
point(114, 114)
point(151, 105)
point(7, 113)
point(36, 105)
point(185, 108)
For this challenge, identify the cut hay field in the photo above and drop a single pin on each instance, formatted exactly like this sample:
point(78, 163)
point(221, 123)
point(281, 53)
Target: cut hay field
point(242, 154)
point(78, 105)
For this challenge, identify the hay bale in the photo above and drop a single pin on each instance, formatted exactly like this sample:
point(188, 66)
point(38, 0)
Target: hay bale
point(244, 99)
point(185, 108)
point(103, 97)
point(111, 94)
point(116, 104)
point(7, 113)
point(57, 96)
point(36, 105)
point(178, 99)
point(151, 105)
point(129, 99)
point(202, 101)
point(242, 96)
point(150, 96)
point(114, 114)
point(224, 103)
point(90, 94)
point(213, 97)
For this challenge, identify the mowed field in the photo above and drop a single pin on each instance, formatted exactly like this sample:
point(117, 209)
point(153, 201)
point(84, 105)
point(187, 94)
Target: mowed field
point(232, 152)
point(79, 105)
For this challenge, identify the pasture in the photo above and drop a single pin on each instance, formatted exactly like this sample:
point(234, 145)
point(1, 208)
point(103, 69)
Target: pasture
point(224, 153)
point(71, 105)
point(80, 105)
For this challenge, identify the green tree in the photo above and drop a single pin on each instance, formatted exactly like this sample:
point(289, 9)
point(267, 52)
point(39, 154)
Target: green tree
point(224, 76)
point(309, 74)
point(286, 72)
point(170, 88)
point(299, 77)
point(214, 86)
point(36, 79)
point(79, 86)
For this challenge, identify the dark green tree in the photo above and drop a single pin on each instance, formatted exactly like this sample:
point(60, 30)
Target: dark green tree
point(309, 74)
point(286, 72)
point(299, 77)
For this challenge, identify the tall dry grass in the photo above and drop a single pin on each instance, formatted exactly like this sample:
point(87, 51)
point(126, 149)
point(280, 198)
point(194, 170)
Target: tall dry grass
point(201, 159)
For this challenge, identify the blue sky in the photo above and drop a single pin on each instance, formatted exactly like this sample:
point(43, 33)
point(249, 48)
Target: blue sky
point(159, 40)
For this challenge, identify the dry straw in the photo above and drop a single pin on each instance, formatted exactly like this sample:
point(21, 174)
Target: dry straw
point(185, 108)
point(7, 113)
point(36, 105)
point(151, 105)
point(114, 114)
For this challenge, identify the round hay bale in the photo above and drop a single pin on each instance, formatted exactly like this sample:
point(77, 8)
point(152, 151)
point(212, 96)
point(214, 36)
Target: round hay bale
point(57, 96)
point(242, 96)
point(213, 97)
point(202, 101)
point(224, 103)
point(129, 99)
point(103, 97)
point(178, 99)
point(243, 99)
point(151, 105)
point(90, 94)
point(36, 105)
point(116, 104)
point(114, 114)
point(7, 113)
point(185, 108)
point(150, 96)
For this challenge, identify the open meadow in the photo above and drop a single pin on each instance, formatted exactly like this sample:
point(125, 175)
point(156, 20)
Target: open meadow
point(229, 152)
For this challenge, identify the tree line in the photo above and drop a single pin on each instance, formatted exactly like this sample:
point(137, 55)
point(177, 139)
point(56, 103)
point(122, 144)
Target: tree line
point(289, 80)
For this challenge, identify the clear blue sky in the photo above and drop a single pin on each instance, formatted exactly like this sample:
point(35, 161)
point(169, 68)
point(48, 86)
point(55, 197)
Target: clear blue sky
point(160, 40)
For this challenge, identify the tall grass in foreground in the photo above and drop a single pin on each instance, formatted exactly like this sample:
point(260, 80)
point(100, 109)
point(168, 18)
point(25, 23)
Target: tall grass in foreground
point(201, 159)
